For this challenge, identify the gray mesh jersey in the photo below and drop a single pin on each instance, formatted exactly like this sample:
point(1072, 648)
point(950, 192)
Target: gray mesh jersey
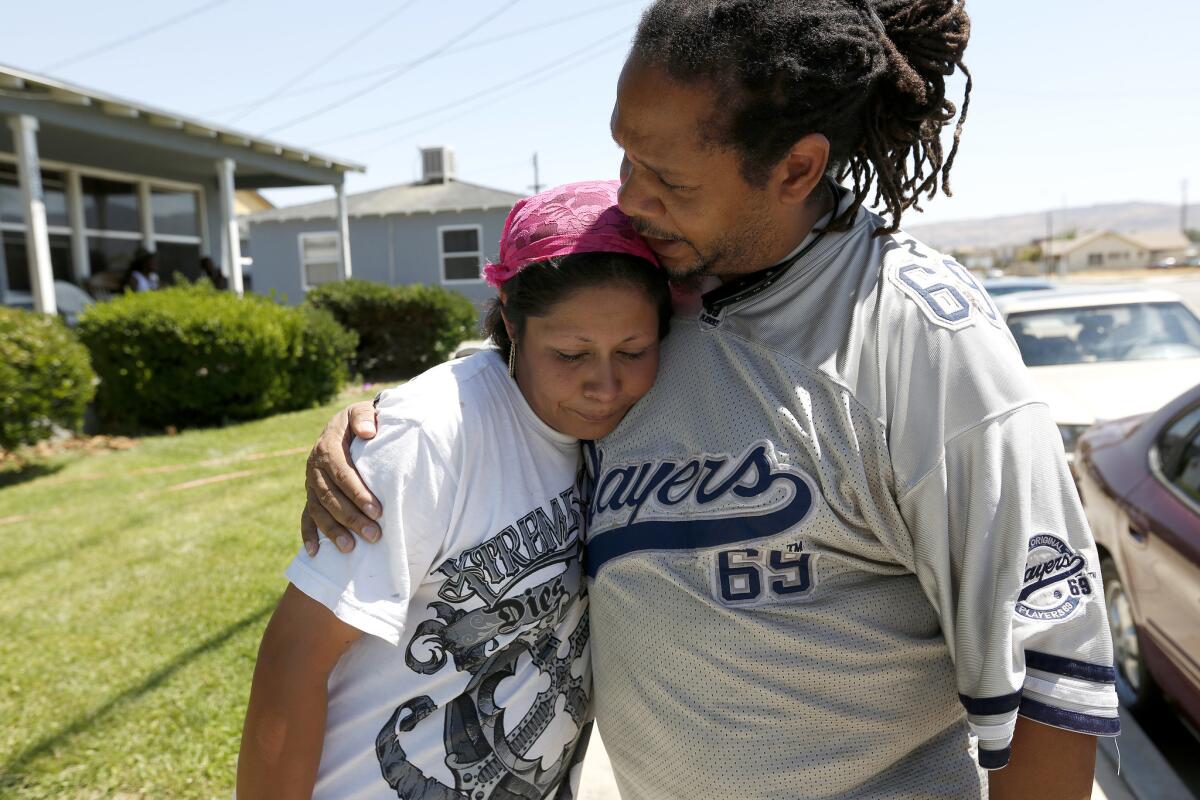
point(836, 538)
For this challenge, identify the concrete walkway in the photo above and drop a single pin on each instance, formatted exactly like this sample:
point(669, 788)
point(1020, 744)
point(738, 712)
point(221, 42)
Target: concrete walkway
point(1144, 774)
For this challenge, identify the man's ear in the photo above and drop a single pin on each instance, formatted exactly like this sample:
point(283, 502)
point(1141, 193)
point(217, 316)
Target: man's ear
point(802, 168)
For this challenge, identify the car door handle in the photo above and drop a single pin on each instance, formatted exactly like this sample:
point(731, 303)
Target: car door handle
point(1137, 535)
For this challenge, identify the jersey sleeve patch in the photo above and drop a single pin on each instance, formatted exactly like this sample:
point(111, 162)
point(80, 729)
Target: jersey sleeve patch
point(946, 292)
point(1056, 581)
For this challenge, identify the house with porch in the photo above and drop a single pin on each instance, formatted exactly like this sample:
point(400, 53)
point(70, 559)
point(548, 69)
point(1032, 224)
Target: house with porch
point(87, 178)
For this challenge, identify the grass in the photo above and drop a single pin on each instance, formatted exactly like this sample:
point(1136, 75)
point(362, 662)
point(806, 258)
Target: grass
point(134, 595)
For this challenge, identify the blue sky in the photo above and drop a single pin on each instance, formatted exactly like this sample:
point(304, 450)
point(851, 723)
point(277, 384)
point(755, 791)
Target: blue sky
point(1076, 101)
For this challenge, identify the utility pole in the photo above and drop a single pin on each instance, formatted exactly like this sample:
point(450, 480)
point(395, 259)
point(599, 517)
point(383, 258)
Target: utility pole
point(1049, 240)
point(537, 180)
point(1183, 207)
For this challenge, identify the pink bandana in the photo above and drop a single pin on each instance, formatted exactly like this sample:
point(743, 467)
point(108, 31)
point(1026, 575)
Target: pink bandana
point(575, 218)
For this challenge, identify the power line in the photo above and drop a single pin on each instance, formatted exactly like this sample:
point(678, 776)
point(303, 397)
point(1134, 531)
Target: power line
point(394, 74)
point(501, 96)
point(343, 47)
point(541, 69)
point(133, 37)
point(355, 76)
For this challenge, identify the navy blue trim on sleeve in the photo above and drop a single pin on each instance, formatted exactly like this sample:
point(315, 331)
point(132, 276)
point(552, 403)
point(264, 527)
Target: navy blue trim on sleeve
point(1069, 667)
point(986, 706)
point(994, 759)
point(1071, 720)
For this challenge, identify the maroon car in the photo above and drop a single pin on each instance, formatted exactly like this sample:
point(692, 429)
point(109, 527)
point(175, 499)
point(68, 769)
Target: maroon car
point(1140, 482)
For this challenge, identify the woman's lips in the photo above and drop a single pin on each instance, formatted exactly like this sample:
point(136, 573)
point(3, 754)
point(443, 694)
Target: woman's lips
point(601, 417)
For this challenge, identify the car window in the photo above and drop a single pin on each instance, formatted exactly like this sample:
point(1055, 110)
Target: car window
point(1131, 332)
point(1188, 477)
point(1174, 442)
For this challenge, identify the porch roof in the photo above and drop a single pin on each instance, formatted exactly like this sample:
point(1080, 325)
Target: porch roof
point(76, 111)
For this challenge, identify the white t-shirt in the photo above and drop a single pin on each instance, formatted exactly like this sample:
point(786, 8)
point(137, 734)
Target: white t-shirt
point(143, 282)
point(475, 680)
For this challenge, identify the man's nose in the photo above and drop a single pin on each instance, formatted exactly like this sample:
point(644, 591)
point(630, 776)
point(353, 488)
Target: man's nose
point(634, 197)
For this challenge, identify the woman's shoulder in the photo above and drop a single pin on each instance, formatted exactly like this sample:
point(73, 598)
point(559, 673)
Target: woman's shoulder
point(445, 399)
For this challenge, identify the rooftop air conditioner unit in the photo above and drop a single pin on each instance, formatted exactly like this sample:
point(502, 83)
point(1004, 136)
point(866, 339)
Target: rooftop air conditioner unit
point(437, 165)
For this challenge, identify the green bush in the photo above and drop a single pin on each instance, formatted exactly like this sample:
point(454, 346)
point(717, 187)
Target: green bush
point(402, 330)
point(191, 355)
point(45, 377)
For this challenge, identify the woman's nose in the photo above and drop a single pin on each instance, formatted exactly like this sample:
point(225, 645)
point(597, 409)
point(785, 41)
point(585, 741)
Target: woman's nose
point(603, 384)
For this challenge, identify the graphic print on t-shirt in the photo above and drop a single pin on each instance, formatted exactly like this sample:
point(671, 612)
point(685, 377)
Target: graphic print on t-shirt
point(500, 604)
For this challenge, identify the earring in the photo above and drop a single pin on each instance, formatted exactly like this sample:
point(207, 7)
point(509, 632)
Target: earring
point(512, 361)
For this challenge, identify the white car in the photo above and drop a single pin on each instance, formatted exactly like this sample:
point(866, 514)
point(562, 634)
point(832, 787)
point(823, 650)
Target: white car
point(1104, 353)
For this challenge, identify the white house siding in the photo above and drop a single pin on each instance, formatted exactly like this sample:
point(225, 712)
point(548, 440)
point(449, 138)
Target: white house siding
point(1107, 252)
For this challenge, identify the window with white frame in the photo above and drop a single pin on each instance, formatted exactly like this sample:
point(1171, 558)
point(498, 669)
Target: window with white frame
point(177, 241)
point(118, 213)
point(460, 252)
point(13, 244)
point(318, 259)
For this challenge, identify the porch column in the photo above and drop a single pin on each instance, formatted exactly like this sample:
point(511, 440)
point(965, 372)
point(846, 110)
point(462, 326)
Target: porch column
point(80, 260)
point(146, 216)
point(37, 238)
point(231, 243)
point(343, 212)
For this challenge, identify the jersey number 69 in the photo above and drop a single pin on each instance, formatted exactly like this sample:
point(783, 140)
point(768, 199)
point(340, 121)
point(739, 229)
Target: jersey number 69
point(751, 576)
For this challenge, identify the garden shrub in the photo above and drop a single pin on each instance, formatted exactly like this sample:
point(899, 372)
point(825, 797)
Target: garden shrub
point(192, 355)
point(402, 330)
point(45, 377)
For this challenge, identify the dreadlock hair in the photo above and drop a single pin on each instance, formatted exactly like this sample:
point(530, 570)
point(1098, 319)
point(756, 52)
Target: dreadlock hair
point(868, 74)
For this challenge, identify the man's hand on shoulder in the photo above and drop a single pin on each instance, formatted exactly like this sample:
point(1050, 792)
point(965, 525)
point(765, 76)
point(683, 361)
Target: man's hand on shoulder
point(339, 503)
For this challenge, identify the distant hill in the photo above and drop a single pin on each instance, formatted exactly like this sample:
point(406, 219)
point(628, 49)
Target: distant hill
point(1019, 229)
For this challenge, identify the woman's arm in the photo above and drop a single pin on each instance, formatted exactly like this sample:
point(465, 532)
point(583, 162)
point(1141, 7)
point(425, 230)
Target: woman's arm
point(285, 723)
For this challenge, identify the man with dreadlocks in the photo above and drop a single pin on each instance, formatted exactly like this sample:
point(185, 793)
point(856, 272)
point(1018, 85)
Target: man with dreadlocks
point(836, 551)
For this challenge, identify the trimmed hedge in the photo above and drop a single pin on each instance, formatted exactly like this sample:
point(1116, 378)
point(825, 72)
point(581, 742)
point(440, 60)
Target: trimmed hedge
point(191, 355)
point(402, 330)
point(45, 377)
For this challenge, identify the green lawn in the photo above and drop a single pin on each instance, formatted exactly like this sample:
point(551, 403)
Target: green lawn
point(131, 606)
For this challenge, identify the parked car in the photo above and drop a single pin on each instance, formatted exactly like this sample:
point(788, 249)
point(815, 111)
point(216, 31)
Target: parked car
point(1001, 286)
point(1104, 353)
point(1140, 483)
point(1167, 263)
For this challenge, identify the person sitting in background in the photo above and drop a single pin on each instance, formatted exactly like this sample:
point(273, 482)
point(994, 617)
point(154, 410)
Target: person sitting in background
point(143, 272)
point(212, 273)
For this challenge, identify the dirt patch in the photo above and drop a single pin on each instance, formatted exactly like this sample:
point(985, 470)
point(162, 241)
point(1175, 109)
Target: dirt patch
point(228, 476)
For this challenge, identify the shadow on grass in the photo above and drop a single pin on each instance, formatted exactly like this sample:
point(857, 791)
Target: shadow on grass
point(11, 772)
point(29, 472)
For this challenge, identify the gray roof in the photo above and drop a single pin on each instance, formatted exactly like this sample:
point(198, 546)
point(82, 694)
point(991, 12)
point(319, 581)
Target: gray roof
point(30, 85)
point(405, 199)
